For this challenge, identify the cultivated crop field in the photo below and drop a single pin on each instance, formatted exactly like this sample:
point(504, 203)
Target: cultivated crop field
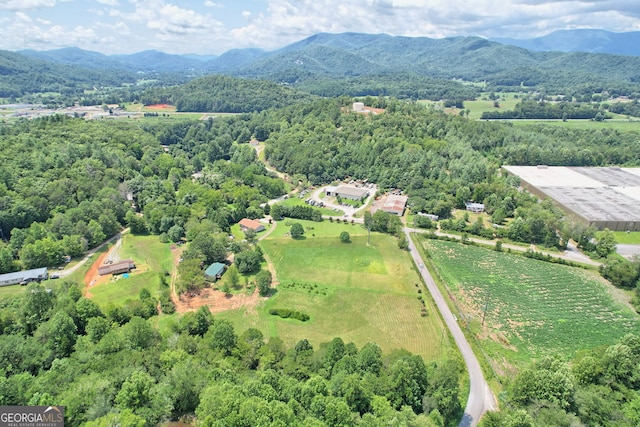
point(533, 307)
point(357, 292)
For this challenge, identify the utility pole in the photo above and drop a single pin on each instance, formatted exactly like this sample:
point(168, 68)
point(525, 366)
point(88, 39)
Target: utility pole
point(486, 305)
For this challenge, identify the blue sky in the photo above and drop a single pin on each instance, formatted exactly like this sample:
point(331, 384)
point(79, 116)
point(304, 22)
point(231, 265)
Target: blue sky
point(215, 26)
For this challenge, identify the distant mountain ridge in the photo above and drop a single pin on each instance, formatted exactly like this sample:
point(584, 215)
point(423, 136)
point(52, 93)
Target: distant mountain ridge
point(581, 40)
point(371, 63)
point(148, 60)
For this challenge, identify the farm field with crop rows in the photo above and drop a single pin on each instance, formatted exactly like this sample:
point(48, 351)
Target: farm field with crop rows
point(532, 307)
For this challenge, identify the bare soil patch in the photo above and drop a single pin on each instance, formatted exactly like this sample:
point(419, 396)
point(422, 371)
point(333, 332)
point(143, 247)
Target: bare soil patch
point(160, 107)
point(92, 278)
point(217, 301)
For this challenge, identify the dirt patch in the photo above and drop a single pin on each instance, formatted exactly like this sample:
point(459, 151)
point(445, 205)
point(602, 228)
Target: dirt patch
point(217, 301)
point(160, 107)
point(92, 278)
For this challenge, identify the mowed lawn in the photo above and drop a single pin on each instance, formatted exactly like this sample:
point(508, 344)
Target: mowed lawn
point(152, 259)
point(354, 291)
point(533, 307)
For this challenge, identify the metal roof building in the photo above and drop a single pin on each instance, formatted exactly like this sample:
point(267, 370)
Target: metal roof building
point(348, 192)
point(605, 197)
point(395, 204)
point(117, 267)
point(34, 275)
point(214, 271)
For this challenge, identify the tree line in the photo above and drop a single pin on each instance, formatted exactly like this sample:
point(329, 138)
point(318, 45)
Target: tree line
point(59, 348)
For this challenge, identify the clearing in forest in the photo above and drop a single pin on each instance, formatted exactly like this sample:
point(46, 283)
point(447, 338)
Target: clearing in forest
point(355, 291)
point(152, 258)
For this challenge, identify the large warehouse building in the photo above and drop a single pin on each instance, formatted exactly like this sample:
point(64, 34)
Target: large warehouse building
point(605, 197)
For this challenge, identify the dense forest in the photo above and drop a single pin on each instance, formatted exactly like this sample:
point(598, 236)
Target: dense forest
point(599, 388)
point(225, 95)
point(67, 184)
point(544, 110)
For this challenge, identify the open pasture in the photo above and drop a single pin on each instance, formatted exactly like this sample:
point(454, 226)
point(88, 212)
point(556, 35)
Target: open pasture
point(358, 292)
point(533, 307)
point(152, 259)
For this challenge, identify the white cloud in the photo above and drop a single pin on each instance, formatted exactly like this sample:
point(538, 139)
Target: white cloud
point(195, 26)
point(109, 2)
point(25, 4)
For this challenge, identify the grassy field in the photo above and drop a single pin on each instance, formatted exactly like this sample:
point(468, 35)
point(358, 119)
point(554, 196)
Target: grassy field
point(533, 307)
point(11, 291)
point(358, 292)
point(152, 258)
point(632, 238)
point(622, 125)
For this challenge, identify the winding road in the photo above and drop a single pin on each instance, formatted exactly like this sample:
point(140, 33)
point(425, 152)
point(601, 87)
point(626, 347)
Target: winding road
point(481, 398)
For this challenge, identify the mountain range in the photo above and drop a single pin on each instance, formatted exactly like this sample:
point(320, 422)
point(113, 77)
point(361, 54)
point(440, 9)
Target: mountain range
point(366, 45)
point(581, 40)
point(324, 56)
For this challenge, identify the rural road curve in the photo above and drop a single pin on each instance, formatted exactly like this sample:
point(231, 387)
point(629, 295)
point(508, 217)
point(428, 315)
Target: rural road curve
point(481, 398)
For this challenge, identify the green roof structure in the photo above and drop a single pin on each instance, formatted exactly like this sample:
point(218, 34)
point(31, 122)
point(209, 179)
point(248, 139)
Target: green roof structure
point(214, 271)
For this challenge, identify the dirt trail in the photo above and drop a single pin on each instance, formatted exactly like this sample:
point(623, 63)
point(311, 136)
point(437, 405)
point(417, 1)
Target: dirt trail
point(92, 278)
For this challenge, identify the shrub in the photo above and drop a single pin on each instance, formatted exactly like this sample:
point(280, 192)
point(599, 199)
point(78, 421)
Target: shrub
point(287, 313)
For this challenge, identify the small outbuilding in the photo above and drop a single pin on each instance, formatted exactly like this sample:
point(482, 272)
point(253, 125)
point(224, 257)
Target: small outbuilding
point(119, 267)
point(214, 271)
point(24, 277)
point(250, 224)
point(475, 207)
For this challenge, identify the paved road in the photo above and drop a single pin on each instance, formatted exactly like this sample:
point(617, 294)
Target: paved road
point(481, 398)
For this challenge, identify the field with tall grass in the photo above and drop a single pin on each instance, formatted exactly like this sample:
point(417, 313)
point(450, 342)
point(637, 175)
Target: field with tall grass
point(360, 292)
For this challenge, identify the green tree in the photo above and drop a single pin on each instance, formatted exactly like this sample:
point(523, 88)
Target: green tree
point(605, 243)
point(136, 223)
point(85, 310)
point(222, 336)
point(296, 230)
point(6, 259)
point(135, 391)
point(345, 237)
point(232, 276)
point(263, 281)
point(175, 233)
point(620, 272)
point(96, 328)
point(58, 334)
point(248, 262)
point(36, 306)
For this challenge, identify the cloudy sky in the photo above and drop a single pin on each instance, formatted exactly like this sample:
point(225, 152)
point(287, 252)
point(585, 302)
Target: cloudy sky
point(215, 26)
